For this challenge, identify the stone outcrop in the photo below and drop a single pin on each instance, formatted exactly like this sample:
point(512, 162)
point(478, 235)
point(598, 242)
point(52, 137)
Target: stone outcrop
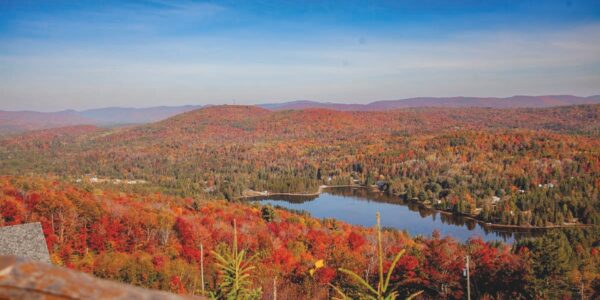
point(25, 240)
point(21, 278)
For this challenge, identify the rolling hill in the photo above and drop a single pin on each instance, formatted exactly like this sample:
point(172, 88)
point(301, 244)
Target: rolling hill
point(248, 124)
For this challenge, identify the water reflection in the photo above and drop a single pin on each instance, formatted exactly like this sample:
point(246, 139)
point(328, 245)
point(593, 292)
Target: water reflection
point(358, 206)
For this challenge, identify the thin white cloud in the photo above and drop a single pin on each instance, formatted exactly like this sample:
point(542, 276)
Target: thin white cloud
point(123, 20)
point(200, 70)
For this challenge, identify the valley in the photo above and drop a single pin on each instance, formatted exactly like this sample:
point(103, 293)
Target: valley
point(447, 181)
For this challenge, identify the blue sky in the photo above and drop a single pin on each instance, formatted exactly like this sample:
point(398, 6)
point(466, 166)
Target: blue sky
point(83, 54)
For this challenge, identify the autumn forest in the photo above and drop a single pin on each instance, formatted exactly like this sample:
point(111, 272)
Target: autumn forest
point(164, 205)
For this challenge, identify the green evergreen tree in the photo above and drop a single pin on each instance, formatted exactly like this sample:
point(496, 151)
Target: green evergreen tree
point(235, 272)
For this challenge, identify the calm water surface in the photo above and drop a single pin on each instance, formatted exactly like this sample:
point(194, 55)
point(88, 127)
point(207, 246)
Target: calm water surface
point(359, 206)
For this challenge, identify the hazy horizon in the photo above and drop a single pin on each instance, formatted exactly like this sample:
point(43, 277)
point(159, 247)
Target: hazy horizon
point(84, 55)
point(276, 102)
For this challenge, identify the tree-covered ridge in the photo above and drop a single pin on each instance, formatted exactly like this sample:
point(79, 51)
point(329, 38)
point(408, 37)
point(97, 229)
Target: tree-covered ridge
point(526, 167)
point(221, 122)
point(153, 240)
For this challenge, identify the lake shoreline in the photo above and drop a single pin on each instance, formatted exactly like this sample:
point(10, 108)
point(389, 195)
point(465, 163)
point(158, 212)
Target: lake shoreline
point(256, 194)
point(497, 225)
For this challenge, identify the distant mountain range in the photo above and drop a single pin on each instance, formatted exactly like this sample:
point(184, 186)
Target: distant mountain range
point(120, 115)
point(491, 102)
point(20, 121)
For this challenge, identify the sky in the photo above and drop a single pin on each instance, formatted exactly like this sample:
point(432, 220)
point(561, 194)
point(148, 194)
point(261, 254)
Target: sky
point(57, 55)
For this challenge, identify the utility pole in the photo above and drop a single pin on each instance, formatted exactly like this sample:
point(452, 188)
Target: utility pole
point(468, 281)
point(202, 267)
point(275, 288)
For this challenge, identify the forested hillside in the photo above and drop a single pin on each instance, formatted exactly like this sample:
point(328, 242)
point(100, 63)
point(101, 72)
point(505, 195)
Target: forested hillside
point(135, 204)
point(525, 167)
point(158, 241)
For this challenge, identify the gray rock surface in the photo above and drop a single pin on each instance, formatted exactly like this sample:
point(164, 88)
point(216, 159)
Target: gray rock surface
point(25, 240)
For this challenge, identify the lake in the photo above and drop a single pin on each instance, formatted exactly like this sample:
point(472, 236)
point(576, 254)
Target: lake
point(358, 206)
